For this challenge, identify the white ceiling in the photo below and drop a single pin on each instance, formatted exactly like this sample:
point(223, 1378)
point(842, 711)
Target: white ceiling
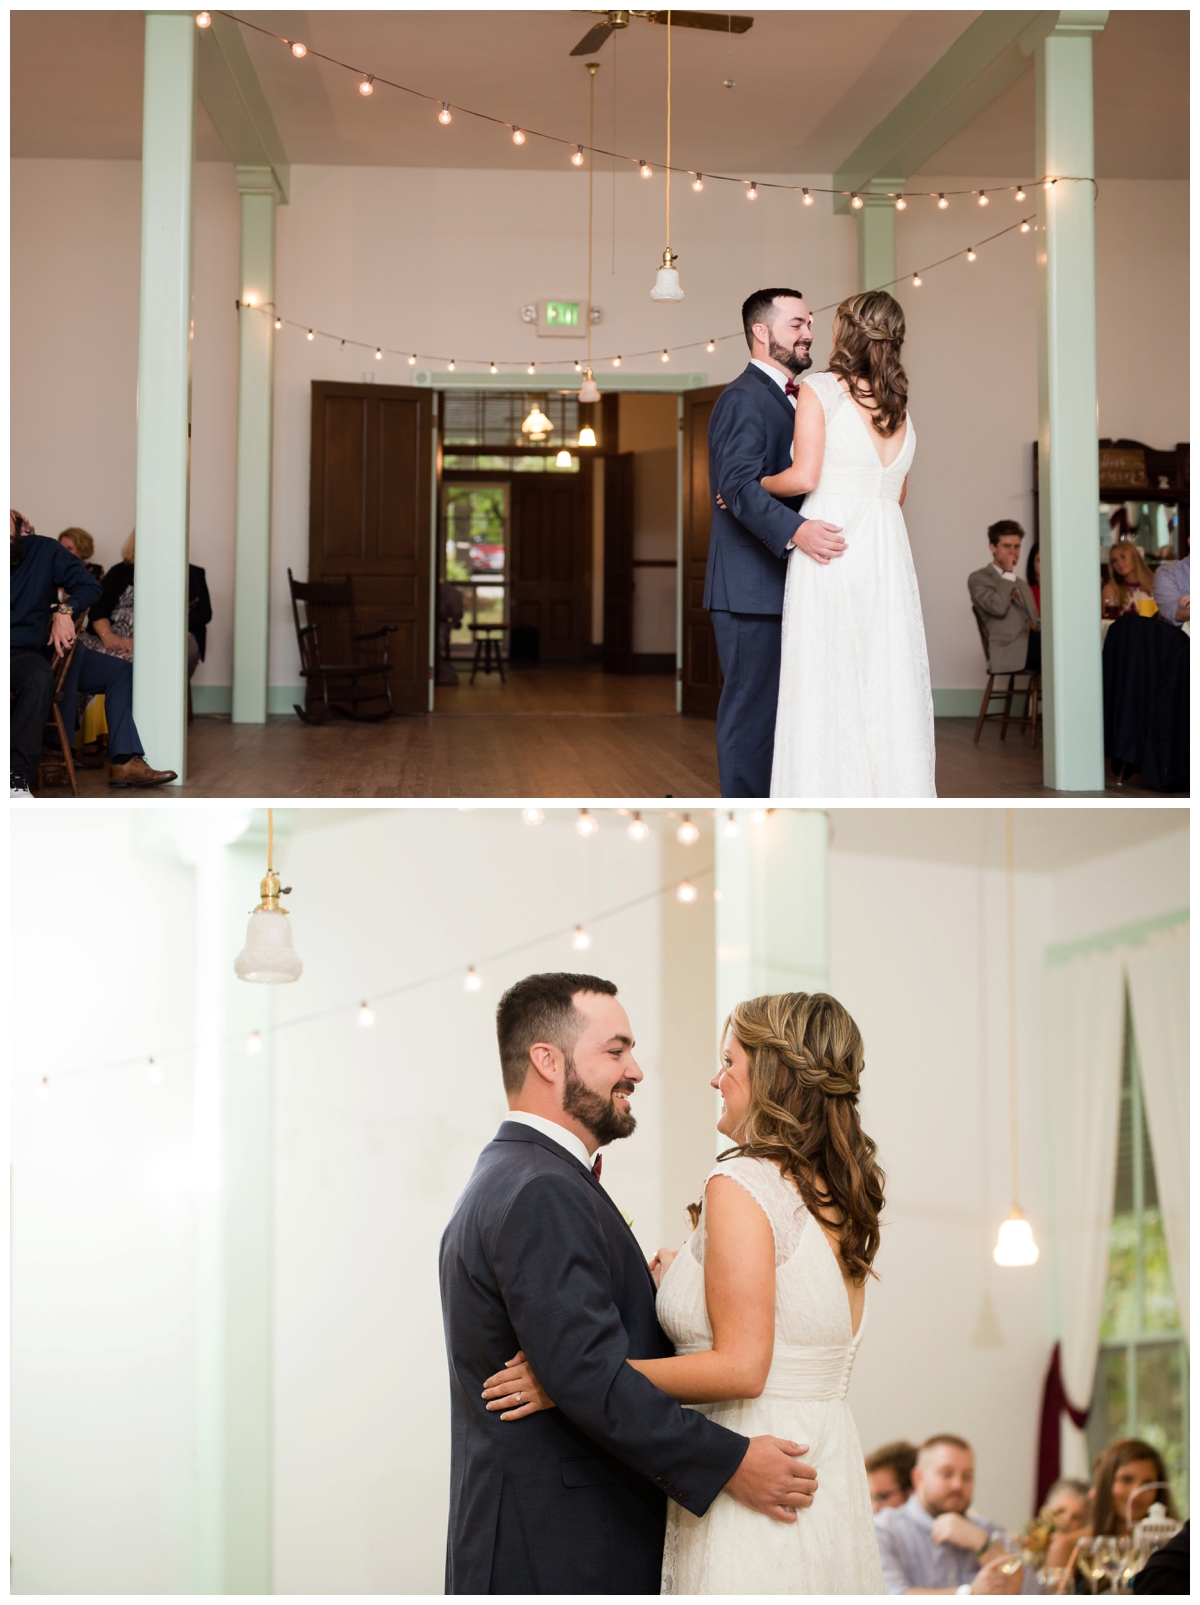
point(1045, 839)
point(809, 85)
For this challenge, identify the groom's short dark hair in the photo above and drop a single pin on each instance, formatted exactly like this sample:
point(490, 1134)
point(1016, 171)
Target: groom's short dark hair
point(540, 1009)
point(756, 308)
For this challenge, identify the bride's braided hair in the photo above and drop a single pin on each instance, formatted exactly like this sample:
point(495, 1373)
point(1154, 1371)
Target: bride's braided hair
point(868, 334)
point(806, 1058)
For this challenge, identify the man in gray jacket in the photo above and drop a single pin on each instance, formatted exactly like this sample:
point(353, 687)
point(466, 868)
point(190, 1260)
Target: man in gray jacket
point(1007, 604)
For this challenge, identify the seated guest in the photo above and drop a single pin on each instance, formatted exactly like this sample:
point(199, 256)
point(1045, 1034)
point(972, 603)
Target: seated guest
point(1173, 590)
point(1169, 1569)
point(1033, 574)
point(1066, 1509)
point(40, 628)
point(889, 1473)
point(1129, 580)
point(83, 546)
point(1123, 1468)
point(112, 617)
point(1007, 604)
point(929, 1545)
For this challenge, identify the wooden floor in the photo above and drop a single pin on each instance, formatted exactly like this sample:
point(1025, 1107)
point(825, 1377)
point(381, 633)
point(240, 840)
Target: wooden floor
point(572, 732)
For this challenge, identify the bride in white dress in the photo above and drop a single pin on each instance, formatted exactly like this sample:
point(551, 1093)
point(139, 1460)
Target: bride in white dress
point(855, 712)
point(765, 1303)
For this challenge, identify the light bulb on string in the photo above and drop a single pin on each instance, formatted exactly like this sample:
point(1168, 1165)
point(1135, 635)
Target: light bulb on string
point(983, 200)
point(1024, 228)
point(586, 824)
point(943, 203)
point(254, 1043)
point(492, 368)
point(806, 198)
point(378, 354)
point(645, 169)
point(752, 192)
point(251, 300)
point(577, 156)
point(1020, 195)
point(685, 892)
point(578, 367)
point(856, 200)
point(616, 362)
point(367, 87)
point(450, 366)
point(154, 1073)
point(711, 346)
point(916, 278)
point(971, 254)
point(203, 20)
point(1049, 183)
point(366, 1015)
point(279, 323)
point(444, 114)
point(688, 833)
point(638, 829)
point(901, 204)
point(580, 939)
point(666, 356)
point(518, 137)
point(698, 182)
point(730, 828)
point(471, 982)
point(44, 1088)
point(533, 816)
point(299, 50)
point(309, 335)
point(759, 816)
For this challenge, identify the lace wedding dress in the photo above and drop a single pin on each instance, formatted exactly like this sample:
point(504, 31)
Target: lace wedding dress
point(855, 713)
point(831, 1549)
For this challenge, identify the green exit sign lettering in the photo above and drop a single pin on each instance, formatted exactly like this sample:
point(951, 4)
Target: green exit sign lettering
point(562, 318)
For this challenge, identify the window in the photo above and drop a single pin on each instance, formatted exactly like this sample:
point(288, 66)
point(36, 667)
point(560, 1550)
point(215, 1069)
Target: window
point(475, 520)
point(1141, 1386)
point(494, 418)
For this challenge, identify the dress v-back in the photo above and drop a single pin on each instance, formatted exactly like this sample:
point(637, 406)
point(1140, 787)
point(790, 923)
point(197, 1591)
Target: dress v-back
point(855, 713)
point(831, 1549)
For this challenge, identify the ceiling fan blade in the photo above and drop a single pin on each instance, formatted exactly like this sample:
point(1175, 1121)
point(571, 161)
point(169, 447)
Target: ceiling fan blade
point(594, 39)
point(702, 19)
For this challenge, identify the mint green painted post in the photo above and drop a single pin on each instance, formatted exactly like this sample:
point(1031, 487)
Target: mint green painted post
point(773, 912)
point(1068, 455)
point(877, 235)
point(256, 357)
point(164, 388)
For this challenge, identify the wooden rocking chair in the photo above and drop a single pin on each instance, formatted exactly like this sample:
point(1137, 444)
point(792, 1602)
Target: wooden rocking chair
point(335, 668)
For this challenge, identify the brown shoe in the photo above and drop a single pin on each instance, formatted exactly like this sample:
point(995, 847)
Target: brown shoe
point(137, 772)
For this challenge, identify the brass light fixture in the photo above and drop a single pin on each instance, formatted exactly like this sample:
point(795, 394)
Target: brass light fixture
point(1015, 1244)
point(666, 280)
point(268, 956)
point(589, 391)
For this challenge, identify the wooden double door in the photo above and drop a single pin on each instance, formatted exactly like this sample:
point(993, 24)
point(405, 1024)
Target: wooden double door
point(550, 561)
point(370, 504)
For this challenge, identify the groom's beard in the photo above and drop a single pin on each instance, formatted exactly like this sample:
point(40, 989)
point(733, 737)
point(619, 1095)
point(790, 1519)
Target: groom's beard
point(795, 361)
point(598, 1114)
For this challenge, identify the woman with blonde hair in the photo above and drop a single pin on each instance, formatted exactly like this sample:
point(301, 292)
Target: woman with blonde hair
point(1129, 582)
point(855, 714)
point(765, 1303)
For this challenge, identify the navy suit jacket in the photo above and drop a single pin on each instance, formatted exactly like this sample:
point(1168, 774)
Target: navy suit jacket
point(571, 1500)
point(749, 435)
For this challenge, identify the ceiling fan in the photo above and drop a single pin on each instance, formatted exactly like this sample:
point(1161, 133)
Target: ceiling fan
point(714, 22)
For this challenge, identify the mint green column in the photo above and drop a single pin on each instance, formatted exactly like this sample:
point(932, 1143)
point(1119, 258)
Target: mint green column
point(164, 389)
point(877, 236)
point(1068, 455)
point(256, 359)
point(773, 909)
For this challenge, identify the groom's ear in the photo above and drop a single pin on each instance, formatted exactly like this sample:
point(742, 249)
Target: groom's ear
point(546, 1061)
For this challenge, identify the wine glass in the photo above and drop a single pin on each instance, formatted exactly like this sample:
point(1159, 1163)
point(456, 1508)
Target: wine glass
point(1113, 1555)
point(1132, 1563)
point(1092, 1562)
point(1010, 1559)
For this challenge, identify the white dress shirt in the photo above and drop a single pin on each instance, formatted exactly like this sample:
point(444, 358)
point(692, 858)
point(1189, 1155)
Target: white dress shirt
point(556, 1133)
point(1006, 574)
point(780, 379)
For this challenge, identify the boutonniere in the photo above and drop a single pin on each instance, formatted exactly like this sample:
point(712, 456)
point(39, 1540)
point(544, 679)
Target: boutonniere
point(626, 1217)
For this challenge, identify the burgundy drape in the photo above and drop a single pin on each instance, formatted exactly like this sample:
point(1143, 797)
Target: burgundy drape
point(1054, 1402)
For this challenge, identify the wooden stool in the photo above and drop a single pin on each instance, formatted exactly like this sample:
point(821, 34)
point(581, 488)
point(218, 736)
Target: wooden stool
point(488, 640)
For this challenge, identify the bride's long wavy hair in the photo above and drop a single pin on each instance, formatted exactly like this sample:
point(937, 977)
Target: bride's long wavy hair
point(806, 1058)
point(868, 335)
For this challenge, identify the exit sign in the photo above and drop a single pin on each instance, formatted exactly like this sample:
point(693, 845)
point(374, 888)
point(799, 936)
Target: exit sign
point(562, 318)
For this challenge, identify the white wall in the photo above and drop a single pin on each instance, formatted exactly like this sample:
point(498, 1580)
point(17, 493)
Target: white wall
point(443, 259)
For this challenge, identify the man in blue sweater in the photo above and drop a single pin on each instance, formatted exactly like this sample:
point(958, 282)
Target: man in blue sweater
point(41, 628)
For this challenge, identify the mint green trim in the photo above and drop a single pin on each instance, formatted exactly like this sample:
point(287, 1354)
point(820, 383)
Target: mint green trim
point(219, 698)
point(958, 702)
point(877, 236)
point(1122, 936)
point(233, 97)
point(614, 379)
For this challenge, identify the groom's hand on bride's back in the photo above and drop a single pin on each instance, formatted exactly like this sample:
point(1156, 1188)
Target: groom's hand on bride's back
point(820, 541)
point(773, 1479)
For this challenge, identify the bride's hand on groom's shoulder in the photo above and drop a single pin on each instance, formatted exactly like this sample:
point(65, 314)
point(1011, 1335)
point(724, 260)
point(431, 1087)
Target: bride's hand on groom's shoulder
point(515, 1391)
point(661, 1264)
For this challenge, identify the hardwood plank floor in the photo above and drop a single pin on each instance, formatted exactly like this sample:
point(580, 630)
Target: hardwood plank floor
point(563, 732)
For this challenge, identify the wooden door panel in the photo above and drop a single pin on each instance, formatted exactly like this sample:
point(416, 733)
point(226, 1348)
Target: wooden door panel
point(701, 669)
point(550, 532)
point(618, 563)
point(369, 515)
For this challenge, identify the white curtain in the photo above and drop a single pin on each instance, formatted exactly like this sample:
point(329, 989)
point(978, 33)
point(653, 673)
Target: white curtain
point(1085, 1009)
point(1158, 998)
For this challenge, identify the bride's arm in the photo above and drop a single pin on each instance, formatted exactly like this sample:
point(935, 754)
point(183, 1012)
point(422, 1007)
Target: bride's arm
point(904, 490)
point(808, 448)
point(739, 1289)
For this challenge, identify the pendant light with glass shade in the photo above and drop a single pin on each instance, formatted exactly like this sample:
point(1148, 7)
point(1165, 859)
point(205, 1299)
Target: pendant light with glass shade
point(589, 391)
point(268, 956)
point(1015, 1244)
point(666, 281)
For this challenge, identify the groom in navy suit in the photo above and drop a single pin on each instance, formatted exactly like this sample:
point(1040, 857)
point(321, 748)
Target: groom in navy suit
point(749, 436)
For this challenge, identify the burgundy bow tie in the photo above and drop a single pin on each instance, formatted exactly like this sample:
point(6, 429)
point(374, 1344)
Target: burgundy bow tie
point(596, 1166)
point(791, 388)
